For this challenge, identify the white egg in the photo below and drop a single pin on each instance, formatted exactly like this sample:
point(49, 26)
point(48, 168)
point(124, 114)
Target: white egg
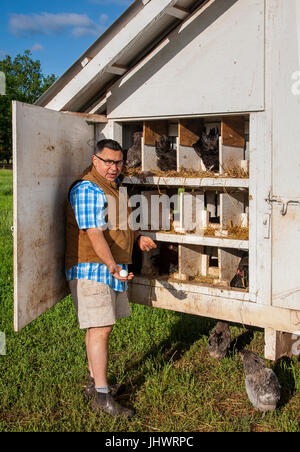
point(123, 273)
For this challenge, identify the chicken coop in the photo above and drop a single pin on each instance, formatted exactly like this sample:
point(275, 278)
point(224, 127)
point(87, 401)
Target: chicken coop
point(207, 94)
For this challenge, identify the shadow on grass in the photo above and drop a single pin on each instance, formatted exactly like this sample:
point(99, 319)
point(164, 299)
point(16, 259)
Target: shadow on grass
point(240, 342)
point(283, 368)
point(183, 335)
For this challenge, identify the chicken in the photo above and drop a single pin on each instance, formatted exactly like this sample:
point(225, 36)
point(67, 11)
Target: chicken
point(241, 278)
point(262, 385)
point(207, 148)
point(166, 156)
point(219, 340)
point(135, 151)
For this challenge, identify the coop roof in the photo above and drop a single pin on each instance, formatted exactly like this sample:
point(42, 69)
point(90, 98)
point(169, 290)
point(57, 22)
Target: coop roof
point(136, 33)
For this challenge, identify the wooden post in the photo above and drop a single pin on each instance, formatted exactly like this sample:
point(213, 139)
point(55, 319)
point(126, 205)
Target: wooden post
point(278, 344)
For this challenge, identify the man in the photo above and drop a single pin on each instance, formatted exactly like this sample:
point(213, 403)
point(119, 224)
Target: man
point(95, 256)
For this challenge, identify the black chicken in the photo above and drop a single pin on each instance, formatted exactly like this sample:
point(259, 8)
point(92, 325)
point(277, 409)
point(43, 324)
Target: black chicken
point(166, 155)
point(241, 278)
point(219, 340)
point(207, 148)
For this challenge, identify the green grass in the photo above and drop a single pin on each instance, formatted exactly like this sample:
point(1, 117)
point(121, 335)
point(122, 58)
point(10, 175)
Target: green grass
point(171, 381)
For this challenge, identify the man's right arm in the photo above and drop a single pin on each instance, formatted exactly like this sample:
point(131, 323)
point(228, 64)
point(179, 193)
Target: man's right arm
point(102, 250)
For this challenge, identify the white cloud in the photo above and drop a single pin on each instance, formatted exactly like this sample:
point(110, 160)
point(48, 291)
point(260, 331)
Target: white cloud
point(47, 24)
point(83, 31)
point(103, 18)
point(37, 48)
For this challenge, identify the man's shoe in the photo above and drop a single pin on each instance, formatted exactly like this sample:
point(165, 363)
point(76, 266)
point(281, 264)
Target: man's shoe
point(90, 387)
point(106, 403)
point(115, 390)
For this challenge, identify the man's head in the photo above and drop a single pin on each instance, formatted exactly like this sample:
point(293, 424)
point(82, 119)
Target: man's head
point(108, 159)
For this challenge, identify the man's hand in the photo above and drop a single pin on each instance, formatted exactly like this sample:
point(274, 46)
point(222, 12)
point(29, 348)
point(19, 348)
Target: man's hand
point(102, 250)
point(146, 243)
point(115, 269)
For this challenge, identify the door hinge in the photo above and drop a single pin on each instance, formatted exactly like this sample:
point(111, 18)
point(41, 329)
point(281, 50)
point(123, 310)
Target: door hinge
point(284, 204)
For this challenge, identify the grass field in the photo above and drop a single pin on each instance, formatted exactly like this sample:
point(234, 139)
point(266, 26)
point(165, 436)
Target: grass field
point(171, 381)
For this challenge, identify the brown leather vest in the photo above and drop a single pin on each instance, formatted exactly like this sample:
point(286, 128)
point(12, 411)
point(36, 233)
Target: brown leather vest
point(79, 248)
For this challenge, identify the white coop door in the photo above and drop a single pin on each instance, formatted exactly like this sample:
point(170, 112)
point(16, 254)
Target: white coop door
point(286, 154)
point(50, 150)
point(285, 257)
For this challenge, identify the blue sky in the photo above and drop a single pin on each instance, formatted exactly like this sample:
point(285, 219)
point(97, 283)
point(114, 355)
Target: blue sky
point(57, 32)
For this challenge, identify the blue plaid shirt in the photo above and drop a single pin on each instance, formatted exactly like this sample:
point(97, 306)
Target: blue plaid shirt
point(88, 202)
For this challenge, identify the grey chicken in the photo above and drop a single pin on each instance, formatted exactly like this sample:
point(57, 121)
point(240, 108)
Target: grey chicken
point(207, 148)
point(134, 154)
point(262, 385)
point(166, 156)
point(219, 340)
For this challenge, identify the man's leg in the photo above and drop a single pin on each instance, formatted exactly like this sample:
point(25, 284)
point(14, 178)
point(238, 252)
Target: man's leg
point(97, 353)
point(96, 301)
point(114, 389)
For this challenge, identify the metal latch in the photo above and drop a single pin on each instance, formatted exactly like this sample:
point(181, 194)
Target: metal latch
point(284, 204)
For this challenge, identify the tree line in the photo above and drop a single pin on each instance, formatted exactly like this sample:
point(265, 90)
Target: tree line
point(25, 82)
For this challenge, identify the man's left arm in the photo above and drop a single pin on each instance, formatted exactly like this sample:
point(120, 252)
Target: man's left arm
point(145, 243)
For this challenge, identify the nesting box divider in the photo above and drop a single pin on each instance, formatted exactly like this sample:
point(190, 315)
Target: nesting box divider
point(143, 160)
point(189, 133)
point(232, 143)
point(188, 159)
point(192, 261)
point(228, 261)
point(149, 158)
point(178, 154)
point(232, 205)
point(152, 131)
point(233, 131)
point(191, 211)
point(230, 158)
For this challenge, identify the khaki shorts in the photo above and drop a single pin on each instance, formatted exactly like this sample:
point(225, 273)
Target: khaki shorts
point(97, 304)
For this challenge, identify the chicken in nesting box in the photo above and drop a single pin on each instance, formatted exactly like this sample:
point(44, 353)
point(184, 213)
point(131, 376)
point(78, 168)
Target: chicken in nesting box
point(135, 151)
point(262, 385)
point(207, 148)
point(219, 340)
point(166, 156)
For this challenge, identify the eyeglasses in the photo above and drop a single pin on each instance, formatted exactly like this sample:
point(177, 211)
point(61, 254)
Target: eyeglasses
point(110, 162)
